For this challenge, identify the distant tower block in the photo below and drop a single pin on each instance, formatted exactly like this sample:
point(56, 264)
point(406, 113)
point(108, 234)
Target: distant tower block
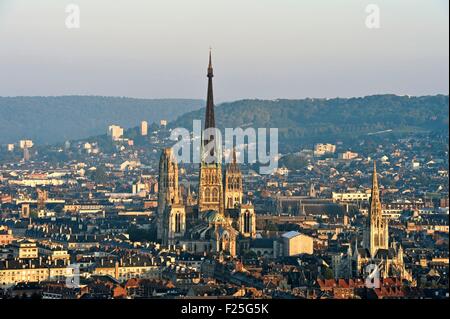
point(26, 144)
point(26, 154)
point(25, 211)
point(163, 123)
point(144, 128)
point(115, 131)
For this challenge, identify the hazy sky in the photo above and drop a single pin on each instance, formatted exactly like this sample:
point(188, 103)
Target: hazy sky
point(261, 48)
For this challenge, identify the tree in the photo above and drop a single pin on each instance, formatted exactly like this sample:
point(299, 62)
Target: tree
point(249, 254)
point(99, 175)
point(328, 273)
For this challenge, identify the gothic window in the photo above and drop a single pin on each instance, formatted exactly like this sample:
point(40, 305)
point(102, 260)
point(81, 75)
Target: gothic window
point(215, 195)
point(247, 222)
point(177, 222)
point(207, 195)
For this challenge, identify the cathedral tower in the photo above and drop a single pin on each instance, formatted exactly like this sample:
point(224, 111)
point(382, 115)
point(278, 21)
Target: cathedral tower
point(171, 212)
point(168, 180)
point(376, 234)
point(210, 193)
point(233, 184)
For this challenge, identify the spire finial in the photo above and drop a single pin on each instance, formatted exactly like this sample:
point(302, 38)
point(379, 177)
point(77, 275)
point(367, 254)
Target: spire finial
point(210, 59)
point(375, 177)
point(234, 155)
point(210, 120)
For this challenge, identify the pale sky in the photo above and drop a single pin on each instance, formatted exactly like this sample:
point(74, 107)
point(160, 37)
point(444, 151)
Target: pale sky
point(261, 48)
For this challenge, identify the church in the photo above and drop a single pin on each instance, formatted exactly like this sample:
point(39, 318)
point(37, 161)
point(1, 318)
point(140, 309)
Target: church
point(219, 219)
point(375, 250)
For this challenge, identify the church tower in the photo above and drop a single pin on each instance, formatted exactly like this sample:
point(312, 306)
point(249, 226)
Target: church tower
point(376, 234)
point(233, 184)
point(210, 193)
point(168, 180)
point(171, 212)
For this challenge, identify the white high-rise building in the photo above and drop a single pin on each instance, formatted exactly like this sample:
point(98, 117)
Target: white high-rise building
point(322, 149)
point(115, 131)
point(26, 144)
point(144, 128)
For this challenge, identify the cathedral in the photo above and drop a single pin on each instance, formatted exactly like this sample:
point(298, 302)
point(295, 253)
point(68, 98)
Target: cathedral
point(375, 248)
point(219, 219)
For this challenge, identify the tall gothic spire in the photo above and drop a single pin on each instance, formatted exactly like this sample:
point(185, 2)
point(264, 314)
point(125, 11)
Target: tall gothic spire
point(376, 234)
point(210, 124)
point(375, 203)
point(233, 164)
point(209, 119)
point(210, 189)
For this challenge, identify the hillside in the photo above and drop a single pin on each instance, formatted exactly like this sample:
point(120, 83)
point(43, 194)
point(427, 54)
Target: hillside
point(56, 119)
point(329, 120)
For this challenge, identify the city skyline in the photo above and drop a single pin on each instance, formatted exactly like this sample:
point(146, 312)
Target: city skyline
point(239, 206)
